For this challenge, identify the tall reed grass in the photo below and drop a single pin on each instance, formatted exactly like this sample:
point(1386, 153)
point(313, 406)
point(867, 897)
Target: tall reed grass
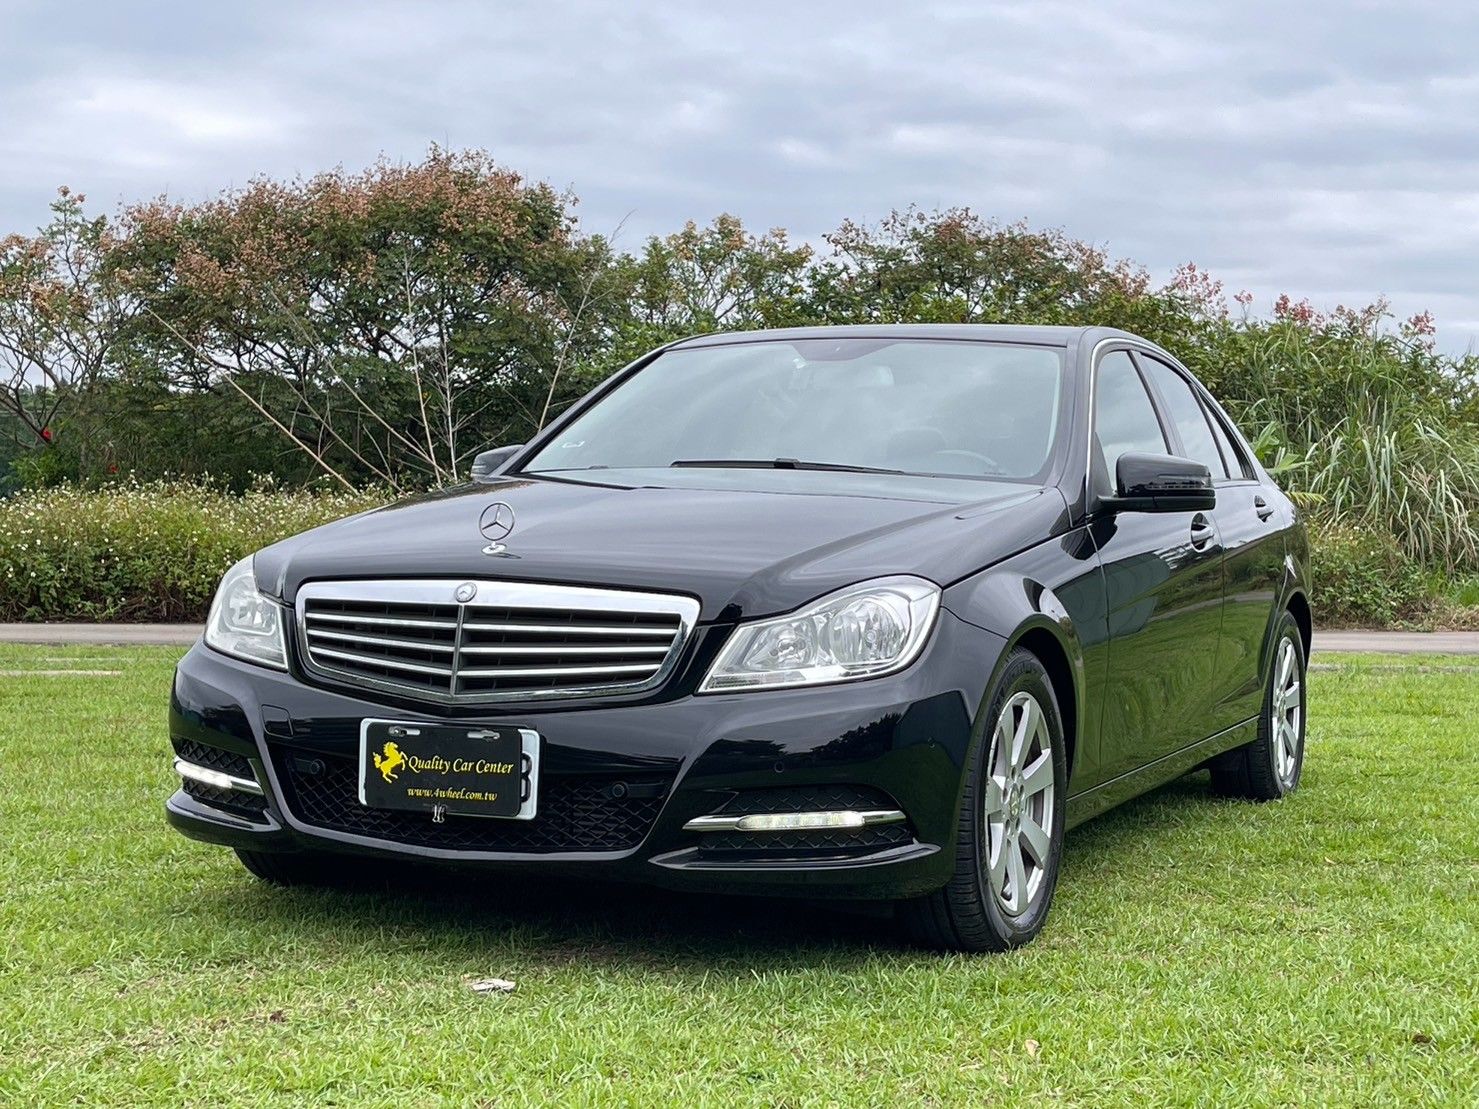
point(1378, 432)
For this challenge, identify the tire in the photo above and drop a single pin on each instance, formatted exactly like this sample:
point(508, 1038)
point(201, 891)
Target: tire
point(285, 868)
point(1270, 766)
point(990, 902)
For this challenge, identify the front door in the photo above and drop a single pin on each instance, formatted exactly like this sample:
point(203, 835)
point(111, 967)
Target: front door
point(1246, 524)
point(1163, 583)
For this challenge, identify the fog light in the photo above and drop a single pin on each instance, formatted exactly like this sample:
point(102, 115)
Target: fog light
point(799, 821)
point(215, 778)
point(793, 821)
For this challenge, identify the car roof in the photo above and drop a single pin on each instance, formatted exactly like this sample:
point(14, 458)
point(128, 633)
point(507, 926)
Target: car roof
point(977, 332)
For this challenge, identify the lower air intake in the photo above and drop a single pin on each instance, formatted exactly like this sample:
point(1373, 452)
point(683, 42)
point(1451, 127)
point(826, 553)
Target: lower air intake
point(252, 806)
point(576, 813)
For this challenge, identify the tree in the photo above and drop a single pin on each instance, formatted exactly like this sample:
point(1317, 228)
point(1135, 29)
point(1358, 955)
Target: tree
point(380, 320)
point(62, 315)
point(714, 278)
point(952, 266)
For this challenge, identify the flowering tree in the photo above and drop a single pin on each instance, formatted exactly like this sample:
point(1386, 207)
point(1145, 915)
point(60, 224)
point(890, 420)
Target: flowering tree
point(62, 314)
point(953, 266)
point(714, 278)
point(383, 326)
point(374, 319)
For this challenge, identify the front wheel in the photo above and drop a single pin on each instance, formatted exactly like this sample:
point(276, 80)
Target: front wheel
point(298, 868)
point(1011, 823)
point(1270, 766)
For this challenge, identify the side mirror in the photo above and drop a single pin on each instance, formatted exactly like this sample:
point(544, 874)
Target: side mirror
point(1162, 483)
point(486, 465)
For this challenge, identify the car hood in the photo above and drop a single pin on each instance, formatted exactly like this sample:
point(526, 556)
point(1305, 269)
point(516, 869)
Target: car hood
point(745, 544)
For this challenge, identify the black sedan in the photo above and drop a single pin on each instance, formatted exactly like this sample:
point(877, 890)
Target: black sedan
point(856, 612)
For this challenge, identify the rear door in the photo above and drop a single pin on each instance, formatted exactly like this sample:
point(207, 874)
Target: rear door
point(1249, 528)
point(1163, 581)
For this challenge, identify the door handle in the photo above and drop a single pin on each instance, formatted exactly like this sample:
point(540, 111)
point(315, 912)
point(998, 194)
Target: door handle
point(1263, 508)
point(1201, 531)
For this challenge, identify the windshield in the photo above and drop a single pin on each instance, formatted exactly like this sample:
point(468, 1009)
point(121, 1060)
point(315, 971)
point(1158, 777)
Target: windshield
point(912, 406)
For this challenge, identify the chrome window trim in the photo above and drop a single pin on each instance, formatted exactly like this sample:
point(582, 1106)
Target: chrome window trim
point(1247, 461)
point(494, 594)
point(1118, 342)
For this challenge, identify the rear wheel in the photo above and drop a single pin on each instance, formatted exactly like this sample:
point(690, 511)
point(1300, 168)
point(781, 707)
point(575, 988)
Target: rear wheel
point(1270, 766)
point(1011, 823)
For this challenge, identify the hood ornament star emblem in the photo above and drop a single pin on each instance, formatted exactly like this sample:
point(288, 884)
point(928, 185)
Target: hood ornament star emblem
point(496, 522)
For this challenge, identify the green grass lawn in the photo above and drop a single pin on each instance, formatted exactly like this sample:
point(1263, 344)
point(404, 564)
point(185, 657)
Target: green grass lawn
point(1320, 950)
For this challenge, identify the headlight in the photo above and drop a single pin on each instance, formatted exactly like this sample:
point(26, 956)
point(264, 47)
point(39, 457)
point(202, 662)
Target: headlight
point(859, 632)
point(243, 622)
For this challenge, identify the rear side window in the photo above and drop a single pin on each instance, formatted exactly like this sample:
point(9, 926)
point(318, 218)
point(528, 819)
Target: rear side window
point(1237, 462)
point(1186, 413)
point(1124, 418)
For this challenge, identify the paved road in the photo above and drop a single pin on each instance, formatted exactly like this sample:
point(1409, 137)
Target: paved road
point(1398, 643)
point(109, 634)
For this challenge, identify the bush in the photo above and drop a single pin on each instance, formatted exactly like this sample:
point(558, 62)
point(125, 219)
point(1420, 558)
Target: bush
point(386, 325)
point(1377, 422)
point(155, 551)
point(1363, 577)
point(143, 551)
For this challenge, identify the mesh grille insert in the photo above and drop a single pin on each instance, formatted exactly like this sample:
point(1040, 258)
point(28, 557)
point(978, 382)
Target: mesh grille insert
point(576, 813)
point(214, 758)
point(252, 806)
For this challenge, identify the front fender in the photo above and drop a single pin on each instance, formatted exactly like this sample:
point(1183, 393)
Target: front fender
point(1051, 599)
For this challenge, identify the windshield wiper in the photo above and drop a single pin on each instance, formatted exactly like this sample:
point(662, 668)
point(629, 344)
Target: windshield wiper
point(781, 464)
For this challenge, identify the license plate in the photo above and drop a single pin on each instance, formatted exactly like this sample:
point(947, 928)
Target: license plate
point(449, 768)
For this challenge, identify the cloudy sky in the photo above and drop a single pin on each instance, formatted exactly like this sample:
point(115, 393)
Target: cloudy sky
point(1327, 148)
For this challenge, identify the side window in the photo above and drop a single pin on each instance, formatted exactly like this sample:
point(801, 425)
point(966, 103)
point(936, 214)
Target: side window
point(1186, 413)
point(1124, 418)
point(1237, 462)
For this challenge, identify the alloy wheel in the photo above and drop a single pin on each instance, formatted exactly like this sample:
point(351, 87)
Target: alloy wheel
point(1020, 795)
point(1288, 712)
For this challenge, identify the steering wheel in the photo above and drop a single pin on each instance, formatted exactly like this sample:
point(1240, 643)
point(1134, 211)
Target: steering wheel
point(989, 465)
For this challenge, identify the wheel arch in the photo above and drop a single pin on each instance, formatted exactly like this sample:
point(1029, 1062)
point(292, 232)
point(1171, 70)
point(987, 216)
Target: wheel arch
point(1293, 598)
point(1299, 606)
point(1054, 643)
point(1038, 602)
point(1050, 651)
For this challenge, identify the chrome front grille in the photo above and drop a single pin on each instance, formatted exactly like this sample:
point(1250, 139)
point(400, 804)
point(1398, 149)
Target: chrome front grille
point(509, 642)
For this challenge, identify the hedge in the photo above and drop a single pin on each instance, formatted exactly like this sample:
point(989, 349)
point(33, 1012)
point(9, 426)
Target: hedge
point(154, 551)
point(143, 551)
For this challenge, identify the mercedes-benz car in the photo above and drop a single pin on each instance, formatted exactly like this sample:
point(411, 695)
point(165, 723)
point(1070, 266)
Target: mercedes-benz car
point(870, 612)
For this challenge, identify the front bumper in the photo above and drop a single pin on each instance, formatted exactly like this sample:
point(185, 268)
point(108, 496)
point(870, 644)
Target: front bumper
point(621, 780)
